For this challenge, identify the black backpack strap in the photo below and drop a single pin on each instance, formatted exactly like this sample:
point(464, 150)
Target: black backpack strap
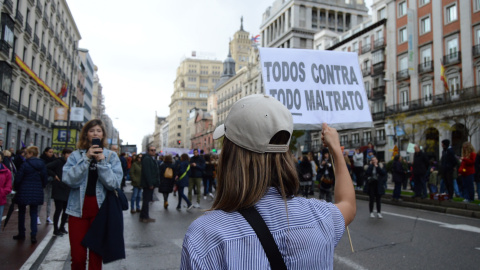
point(266, 239)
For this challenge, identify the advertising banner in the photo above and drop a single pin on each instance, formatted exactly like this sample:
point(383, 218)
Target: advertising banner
point(317, 87)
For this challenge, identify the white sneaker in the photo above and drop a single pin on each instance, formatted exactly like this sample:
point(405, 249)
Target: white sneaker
point(49, 221)
point(379, 215)
point(197, 205)
point(190, 207)
point(211, 195)
point(204, 197)
point(372, 215)
point(38, 221)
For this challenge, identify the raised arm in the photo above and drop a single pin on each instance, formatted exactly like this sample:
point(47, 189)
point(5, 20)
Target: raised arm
point(344, 193)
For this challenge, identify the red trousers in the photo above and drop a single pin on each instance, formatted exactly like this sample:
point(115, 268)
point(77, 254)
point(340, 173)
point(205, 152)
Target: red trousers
point(78, 228)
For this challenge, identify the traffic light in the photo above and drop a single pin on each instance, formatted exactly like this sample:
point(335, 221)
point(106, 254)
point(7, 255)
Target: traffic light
point(179, 142)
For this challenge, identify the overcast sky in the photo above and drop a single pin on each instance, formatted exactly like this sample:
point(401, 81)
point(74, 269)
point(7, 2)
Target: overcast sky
point(138, 45)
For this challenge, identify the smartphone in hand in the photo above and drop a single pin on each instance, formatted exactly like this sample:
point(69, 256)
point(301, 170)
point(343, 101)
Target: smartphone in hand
point(97, 141)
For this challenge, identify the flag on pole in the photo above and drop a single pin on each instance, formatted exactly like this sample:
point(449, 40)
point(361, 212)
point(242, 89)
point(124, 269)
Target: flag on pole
point(23, 145)
point(63, 90)
point(442, 76)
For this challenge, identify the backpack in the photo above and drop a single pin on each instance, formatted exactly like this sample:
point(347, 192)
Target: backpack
point(168, 173)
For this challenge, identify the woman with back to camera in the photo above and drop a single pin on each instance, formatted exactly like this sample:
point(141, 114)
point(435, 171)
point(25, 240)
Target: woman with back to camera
point(89, 172)
point(306, 176)
point(136, 177)
point(29, 184)
point(60, 191)
point(181, 180)
point(166, 182)
point(48, 157)
point(257, 174)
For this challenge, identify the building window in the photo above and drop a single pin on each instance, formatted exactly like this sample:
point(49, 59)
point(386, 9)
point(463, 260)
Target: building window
point(453, 85)
point(402, 9)
point(379, 106)
point(377, 57)
point(427, 92)
point(203, 95)
point(424, 2)
point(191, 94)
point(402, 35)
point(179, 126)
point(451, 13)
point(355, 138)
point(425, 25)
point(367, 88)
point(404, 97)
point(426, 55)
point(380, 134)
point(179, 118)
point(476, 5)
point(343, 139)
point(367, 137)
point(303, 43)
point(403, 63)
point(382, 13)
point(355, 47)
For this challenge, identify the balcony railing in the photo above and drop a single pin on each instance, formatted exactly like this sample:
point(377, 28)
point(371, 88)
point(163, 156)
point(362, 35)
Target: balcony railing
point(366, 71)
point(425, 67)
point(32, 2)
point(4, 48)
point(402, 74)
point(33, 116)
point(476, 50)
point(446, 98)
point(54, 64)
point(53, 6)
point(14, 105)
point(45, 19)
point(452, 58)
point(9, 5)
point(24, 111)
point(43, 49)
point(28, 29)
point(379, 43)
point(19, 17)
point(4, 97)
point(378, 91)
point(40, 120)
point(366, 48)
point(38, 8)
point(49, 57)
point(380, 141)
point(378, 116)
point(36, 40)
point(378, 68)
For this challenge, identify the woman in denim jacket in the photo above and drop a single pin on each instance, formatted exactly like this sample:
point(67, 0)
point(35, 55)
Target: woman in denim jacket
point(89, 172)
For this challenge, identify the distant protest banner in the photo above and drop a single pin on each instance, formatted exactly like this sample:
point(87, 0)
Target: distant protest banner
point(317, 87)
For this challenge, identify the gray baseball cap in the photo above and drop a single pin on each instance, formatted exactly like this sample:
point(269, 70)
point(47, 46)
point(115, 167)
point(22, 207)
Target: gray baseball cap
point(253, 121)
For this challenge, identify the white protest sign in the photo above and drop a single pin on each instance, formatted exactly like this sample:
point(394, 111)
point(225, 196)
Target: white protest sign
point(411, 148)
point(317, 87)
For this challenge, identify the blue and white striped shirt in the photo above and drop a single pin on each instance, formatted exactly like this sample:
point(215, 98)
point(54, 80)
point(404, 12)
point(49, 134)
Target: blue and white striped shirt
point(222, 240)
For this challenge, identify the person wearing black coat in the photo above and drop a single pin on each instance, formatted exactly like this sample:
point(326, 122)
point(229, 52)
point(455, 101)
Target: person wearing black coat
point(208, 177)
point(376, 176)
point(398, 174)
point(327, 177)
point(48, 157)
point(60, 191)
point(305, 175)
point(29, 184)
point(448, 162)
point(419, 170)
point(477, 173)
point(19, 159)
point(166, 184)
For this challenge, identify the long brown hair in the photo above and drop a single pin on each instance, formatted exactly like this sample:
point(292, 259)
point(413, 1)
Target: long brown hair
point(244, 176)
point(467, 149)
point(83, 142)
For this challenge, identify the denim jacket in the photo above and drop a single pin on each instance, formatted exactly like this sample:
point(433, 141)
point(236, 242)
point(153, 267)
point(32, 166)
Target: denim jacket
point(75, 175)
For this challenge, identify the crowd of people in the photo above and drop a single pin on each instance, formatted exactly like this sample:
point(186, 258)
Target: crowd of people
point(452, 175)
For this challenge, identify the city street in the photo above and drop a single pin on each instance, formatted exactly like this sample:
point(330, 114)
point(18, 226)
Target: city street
point(405, 238)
